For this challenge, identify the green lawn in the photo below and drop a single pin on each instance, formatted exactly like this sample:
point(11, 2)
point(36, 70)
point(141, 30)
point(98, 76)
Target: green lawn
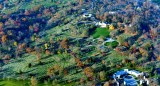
point(101, 32)
point(112, 44)
point(14, 83)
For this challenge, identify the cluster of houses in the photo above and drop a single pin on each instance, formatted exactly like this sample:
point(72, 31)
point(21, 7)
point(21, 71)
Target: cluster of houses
point(96, 22)
point(130, 78)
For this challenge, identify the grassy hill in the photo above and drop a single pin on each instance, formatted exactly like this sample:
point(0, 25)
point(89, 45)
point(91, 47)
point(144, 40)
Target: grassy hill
point(61, 49)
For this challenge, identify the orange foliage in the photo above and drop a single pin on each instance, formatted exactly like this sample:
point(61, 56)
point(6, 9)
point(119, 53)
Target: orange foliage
point(39, 15)
point(7, 57)
point(1, 6)
point(143, 52)
point(38, 57)
point(48, 52)
point(28, 50)
point(50, 71)
point(21, 46)
point(80, 2)
point(24, 19)
point(65, 72)
point(26, 12)
point(126, 44)
point(57, 15)
point(79, 62)
point(88, 72)
point(117, 49)
point(64, 43)
point(4, 38)
point(158, 58)
point(1, 25)
point(118, 66)
point(35, 8)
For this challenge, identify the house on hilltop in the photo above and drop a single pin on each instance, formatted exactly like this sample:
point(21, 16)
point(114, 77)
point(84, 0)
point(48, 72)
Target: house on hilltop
point(101, 24)
point(87, 15)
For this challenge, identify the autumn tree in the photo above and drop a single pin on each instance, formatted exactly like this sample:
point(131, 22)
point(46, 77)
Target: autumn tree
point(50, 72)
point(64, 43)
point(1, 6)
point(1, 25)
point(47, 52)
point(81, 2)
point(34, 81)
point(158, 58)
point(120, 39)
point(88, 72)
point(143, 52)
point(38, 57)
point(79, 62)
point(106, 84)
point(26, 12)
point(4, 38)
point(102, 75)
point(28, 50)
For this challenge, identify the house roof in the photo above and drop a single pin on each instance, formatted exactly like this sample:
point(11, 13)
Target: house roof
point(119, 73)
point(135, 71)
point(109, 40)
point(129, 80)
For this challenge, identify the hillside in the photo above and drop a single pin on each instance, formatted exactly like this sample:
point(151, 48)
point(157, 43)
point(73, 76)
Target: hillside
point(77, 42)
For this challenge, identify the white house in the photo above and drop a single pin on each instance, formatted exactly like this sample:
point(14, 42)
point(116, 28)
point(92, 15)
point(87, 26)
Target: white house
point(144, 80)
point(108, 40)
point(86, 15)
point(128, 77)
point(135, 73)
point(102, 24)
point(112, 12)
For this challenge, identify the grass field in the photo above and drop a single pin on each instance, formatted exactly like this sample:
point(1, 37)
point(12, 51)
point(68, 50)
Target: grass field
point(14, 83)
point(112, 44)
point(101, 32)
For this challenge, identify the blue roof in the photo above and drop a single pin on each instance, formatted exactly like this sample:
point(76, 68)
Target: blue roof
point(130, 80)
point(121, 72)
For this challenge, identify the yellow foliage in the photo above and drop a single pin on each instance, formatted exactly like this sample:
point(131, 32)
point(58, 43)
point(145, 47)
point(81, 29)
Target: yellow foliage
point(111, 27)
point(102, 75)
point(15, 43)
point(141, 50)
point(59, 52)
point(106, 84)
point(33, 38)
point(46, 46)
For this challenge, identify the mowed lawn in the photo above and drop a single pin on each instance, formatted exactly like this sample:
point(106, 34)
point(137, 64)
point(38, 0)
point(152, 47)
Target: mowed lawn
point(14, 83)
point(101, 32)
point(112, 44)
